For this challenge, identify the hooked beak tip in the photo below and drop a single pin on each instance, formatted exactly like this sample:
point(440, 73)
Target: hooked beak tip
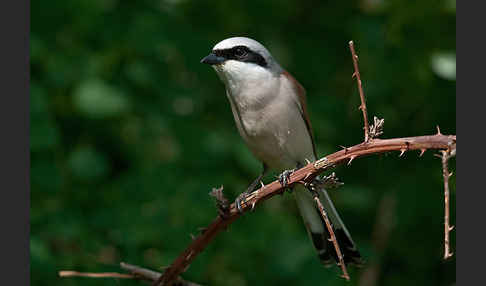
point(212, 59)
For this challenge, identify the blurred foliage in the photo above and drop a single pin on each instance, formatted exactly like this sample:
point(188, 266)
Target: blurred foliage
point(129, 133)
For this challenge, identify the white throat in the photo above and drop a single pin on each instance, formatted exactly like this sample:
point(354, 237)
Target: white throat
point(249, 85)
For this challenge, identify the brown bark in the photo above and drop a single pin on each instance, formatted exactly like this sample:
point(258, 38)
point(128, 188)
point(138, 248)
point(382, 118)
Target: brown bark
point(303, 175)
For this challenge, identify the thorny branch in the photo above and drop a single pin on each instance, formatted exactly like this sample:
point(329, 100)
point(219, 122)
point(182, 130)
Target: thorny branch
point(361, 93)
point(446, 155)
point(330, 181)
point(370, 132)
point(332, 235)
point(304, 174)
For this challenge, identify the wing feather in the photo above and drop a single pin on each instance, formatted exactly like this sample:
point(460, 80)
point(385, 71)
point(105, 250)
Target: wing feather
point(301, 97)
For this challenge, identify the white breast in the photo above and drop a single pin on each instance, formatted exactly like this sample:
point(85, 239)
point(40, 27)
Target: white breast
point(268, 116)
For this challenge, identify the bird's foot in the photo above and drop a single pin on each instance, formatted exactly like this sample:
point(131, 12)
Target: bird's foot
point(284, 178)
point(241, 198)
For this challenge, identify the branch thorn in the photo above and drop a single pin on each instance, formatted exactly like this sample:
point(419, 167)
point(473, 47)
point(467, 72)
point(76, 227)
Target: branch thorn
point(351, 160)
point(345, 149)
point(307, 176)
point(422, 151)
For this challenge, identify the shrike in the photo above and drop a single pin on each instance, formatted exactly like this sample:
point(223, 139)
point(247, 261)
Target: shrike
point(269, 107)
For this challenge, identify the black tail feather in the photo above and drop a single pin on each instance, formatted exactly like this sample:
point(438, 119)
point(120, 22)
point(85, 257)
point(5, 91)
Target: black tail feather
point(327, 253)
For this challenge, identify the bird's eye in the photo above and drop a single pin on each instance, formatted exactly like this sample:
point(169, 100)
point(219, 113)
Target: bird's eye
point(240, 52)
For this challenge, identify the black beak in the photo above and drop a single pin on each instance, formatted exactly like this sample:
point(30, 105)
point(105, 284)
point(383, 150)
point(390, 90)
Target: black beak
point(212, 59)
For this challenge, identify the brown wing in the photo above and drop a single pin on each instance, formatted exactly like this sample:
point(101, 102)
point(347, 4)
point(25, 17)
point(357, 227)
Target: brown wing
point(299, 89)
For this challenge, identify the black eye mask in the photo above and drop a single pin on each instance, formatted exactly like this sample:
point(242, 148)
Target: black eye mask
point(242, 54)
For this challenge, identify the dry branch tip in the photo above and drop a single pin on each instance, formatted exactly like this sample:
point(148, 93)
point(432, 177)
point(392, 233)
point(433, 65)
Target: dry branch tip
point(361, 93)
point(222, 202)
point(333, 239)
point(446, 155)
point(438, 130)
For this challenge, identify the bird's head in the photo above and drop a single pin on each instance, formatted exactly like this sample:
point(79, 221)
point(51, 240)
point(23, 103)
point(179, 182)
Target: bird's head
point(241, 59)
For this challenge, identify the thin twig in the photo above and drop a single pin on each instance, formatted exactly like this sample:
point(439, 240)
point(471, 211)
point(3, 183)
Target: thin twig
point(140, 272)
point(333, 237)
point(151, 275)
point(446, 154)
point(307, 174)
point(68, 273)
point(137, 272)
point(361, 93)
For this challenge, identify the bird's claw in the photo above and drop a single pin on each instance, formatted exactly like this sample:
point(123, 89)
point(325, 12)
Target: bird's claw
point(241, 198)
point(284, 178)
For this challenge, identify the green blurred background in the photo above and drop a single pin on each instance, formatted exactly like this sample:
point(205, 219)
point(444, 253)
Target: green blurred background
point(129, 133)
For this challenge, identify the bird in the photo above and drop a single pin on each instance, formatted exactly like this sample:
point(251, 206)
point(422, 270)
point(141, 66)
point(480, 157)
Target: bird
point(270, 111)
